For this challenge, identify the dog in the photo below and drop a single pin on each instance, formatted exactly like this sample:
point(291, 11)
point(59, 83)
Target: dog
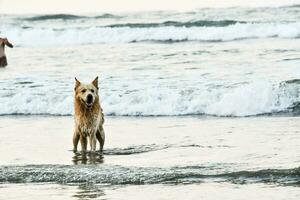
point(89, 118)
point(3, 42)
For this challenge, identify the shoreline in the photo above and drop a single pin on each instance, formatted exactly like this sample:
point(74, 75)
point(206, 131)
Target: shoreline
point(29, 139)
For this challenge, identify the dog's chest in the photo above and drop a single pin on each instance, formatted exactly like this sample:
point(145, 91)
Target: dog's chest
point(87, 126)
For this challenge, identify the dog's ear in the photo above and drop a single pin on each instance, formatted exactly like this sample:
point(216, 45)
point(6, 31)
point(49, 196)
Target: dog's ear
point(95, 82)
point(77, 83)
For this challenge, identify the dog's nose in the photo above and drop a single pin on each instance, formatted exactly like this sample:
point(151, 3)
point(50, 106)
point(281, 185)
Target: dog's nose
point(89, 98)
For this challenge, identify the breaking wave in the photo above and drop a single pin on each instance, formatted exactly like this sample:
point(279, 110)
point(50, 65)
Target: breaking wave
point(216, 31)
point(118, 175)
point(251, 99)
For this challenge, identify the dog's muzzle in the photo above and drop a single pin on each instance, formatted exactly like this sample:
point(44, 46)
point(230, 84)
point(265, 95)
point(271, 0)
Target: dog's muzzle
point(89, 100)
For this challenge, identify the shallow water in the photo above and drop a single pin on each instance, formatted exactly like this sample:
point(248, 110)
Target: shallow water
point(207, 191)
point(170, 156)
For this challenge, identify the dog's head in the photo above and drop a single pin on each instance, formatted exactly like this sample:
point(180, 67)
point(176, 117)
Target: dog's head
point(87, 94)
point(4, 41)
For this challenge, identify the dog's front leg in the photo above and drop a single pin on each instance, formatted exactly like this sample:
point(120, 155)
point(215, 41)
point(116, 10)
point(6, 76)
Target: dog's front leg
point(83, 142)
point(3, 61)
point(93, 142)
point(76, 137)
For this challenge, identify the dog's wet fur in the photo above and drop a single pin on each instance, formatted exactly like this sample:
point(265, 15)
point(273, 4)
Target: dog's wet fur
point(89, 116)
point(4, 42)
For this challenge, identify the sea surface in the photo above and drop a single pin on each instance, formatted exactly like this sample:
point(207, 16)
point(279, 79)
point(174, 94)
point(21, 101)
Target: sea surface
point(200, 104)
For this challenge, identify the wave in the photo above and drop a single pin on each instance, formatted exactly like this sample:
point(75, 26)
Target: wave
point(200, 23)
point(135, 149)
point(54, 17)
point(68, 17)
point(107, 15)
point(249, 99)
point(96, 35)
point(118, 175)
point(252, 99)
point(292, 6)
point(138, 149)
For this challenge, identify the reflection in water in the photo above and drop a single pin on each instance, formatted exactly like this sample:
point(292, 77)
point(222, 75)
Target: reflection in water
point(87, 158)
point(89, 191)
point(86, 190)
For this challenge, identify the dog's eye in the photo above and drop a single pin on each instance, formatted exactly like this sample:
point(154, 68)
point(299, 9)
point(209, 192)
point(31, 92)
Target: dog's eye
point(83, 91)
point(92, 90)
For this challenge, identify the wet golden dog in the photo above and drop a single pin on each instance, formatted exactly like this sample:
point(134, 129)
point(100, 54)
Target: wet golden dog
point(89, 117)
point(4, 42)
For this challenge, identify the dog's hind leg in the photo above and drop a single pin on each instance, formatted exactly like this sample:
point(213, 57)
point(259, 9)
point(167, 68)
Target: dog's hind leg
point(83, 142)
point(76, 137)
point(101, 137)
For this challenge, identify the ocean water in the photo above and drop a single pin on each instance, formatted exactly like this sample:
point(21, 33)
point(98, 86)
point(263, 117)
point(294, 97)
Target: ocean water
point(201, 103)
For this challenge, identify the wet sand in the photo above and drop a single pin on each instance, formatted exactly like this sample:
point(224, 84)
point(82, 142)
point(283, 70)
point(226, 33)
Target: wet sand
point(209, 191)
point(162, 158)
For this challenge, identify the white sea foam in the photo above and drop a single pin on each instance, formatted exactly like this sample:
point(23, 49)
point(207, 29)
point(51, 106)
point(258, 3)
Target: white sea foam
point(244, 100)
point(93, 35)
point(252, 99)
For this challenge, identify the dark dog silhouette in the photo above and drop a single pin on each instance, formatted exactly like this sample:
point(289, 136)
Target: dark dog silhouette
point(4, 42)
